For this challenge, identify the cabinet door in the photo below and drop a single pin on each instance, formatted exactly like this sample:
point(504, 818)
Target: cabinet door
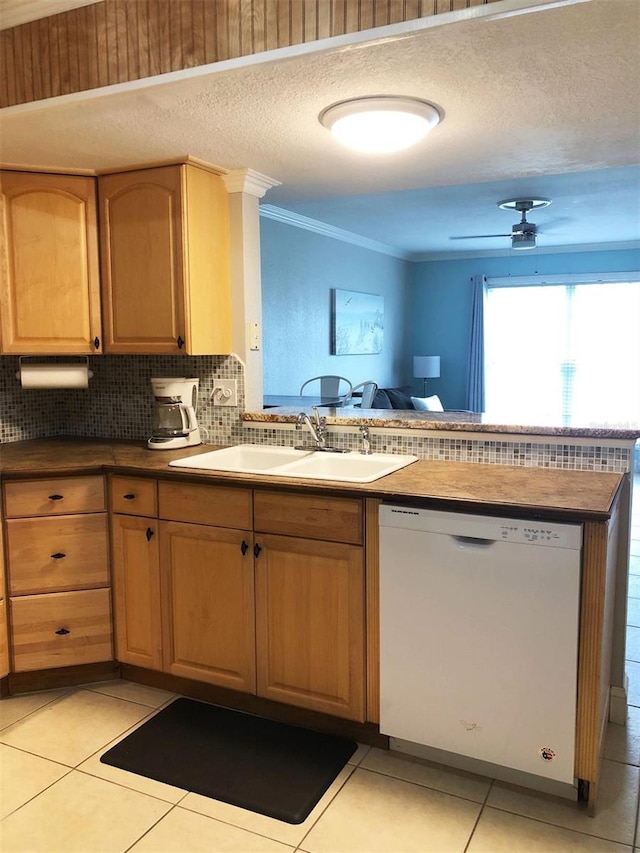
point(136, 582)
point(141, 231)
point(310, 624)
point(50, 290)
point(208, 604)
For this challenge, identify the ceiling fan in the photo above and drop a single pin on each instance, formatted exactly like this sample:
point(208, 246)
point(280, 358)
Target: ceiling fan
point(523, 234)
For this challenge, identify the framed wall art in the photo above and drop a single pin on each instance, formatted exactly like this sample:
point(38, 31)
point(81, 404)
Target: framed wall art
point(357, 322)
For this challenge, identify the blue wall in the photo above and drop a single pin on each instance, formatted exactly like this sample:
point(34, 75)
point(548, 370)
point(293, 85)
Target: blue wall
point(299, 269)
point(441, 304)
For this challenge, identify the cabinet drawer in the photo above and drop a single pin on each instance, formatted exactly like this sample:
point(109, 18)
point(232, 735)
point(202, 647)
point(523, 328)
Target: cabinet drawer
point(215, 505)
point(61, 629)
point(314, 516)
point(54, 497)
point(134, 496)
point(62, 553)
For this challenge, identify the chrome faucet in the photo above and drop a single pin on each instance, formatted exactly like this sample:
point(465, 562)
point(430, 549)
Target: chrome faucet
point(317, 427)
point(366, 439)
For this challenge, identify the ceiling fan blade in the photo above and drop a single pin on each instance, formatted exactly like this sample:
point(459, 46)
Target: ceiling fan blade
point(477, 236)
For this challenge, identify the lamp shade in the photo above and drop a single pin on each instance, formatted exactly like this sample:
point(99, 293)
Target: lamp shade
point(426, 366)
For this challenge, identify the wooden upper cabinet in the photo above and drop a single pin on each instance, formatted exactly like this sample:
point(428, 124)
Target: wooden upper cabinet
point(165, 261)
point(49, 276)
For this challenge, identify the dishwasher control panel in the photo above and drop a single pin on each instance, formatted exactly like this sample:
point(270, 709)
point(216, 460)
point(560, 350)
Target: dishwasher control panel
point(527, 532)
point(483, 528)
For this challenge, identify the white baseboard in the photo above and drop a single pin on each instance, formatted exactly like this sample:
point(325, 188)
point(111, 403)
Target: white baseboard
point(618, 703)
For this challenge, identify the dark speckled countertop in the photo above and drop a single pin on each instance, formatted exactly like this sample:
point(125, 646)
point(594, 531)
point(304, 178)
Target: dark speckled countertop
point(500, 489)
point(447, 421)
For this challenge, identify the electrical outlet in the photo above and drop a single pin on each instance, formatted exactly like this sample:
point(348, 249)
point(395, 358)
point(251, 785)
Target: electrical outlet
point(225, 392)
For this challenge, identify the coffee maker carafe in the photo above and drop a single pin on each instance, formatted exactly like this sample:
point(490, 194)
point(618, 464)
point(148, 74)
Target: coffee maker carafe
point(174, 420)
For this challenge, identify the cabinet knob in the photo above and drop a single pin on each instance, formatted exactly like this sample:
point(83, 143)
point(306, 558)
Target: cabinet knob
point(180, 342)
point(58, 556)
point(56, 497)
point(244, 547)
point(129, 497)
point(96, 343)
point(256, 549)
point(148, 534)
point(63, 631)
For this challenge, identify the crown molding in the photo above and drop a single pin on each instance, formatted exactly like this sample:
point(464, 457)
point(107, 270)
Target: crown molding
point(578, 248)
point(268, 211)
point(288, 217)
point(248, 181)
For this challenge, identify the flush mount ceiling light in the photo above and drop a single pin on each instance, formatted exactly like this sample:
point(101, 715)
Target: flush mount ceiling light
point(380, 124)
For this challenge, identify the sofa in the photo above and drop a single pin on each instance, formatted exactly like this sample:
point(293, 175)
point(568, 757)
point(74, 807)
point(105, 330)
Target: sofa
point(403, 398)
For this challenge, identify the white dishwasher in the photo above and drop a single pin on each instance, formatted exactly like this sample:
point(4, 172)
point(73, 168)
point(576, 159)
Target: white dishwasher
point(479, 641)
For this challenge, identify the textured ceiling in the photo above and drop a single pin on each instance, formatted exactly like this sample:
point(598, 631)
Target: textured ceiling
point(541, 94)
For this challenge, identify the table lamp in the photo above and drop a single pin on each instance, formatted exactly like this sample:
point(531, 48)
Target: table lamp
point(426, 367)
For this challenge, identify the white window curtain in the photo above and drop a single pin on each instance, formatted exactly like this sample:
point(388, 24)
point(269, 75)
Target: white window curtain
point(565, 351)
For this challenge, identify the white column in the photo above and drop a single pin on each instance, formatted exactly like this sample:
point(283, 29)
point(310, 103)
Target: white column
point(245, 188)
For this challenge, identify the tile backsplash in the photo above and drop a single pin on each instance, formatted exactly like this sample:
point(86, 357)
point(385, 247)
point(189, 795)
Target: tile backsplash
point(488, 451)
point(118, 402)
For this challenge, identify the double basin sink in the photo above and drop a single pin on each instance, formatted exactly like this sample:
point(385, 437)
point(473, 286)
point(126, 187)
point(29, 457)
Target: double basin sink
point(277, 461)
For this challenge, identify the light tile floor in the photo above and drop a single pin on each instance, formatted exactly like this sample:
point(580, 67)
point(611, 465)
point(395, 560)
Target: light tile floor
point(56, 795)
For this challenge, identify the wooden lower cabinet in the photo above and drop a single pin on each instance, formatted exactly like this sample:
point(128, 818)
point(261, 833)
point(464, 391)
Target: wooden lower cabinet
point(207, 580)
point(136, 582)
point(188, 603)
point(58, 576)
point(61, 629)
point(310, 624)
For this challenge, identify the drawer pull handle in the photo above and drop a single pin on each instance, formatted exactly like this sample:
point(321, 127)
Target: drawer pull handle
point(63, 631)
point(244, 547)
point(58, 556)
point(56, 497)
point(129, 497)
point(256, 550)
point(149, 534)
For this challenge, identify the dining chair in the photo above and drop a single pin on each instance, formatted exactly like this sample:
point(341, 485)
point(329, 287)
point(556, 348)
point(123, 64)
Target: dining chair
point(330, 386)
point(368, 392)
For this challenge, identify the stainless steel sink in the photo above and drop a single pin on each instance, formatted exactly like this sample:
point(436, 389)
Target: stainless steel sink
point(304, 464)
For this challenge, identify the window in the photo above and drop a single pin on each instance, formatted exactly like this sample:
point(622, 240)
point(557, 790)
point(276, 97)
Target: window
point(563, 351)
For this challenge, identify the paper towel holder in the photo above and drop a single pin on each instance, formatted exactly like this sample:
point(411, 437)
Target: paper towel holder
point(79, 368)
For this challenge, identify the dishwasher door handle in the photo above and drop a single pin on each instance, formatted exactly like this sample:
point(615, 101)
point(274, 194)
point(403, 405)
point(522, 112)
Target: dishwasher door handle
point(473, 541)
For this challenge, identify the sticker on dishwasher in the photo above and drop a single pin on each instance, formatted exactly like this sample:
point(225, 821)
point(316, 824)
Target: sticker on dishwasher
point(546, 753)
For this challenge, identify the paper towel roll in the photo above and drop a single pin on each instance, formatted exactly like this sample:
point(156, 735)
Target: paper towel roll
point(54, 375)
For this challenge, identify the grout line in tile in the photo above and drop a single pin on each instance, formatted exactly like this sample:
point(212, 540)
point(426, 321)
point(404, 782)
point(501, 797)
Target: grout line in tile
point(229, 823)
point(122, 699)
point(35, 710)
point(428, 787)
point(353, 770)
point(148, 830)
point(474, 827)
point(37, 755)
point(559, 825)
point(35, 796)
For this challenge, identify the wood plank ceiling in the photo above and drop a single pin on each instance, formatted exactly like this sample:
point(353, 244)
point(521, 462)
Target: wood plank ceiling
point(115, 41)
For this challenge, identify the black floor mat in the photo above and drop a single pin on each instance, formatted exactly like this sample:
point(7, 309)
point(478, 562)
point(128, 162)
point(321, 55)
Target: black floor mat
point(270, 768)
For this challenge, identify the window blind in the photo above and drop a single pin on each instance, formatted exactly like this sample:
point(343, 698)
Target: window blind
point(563, 353)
